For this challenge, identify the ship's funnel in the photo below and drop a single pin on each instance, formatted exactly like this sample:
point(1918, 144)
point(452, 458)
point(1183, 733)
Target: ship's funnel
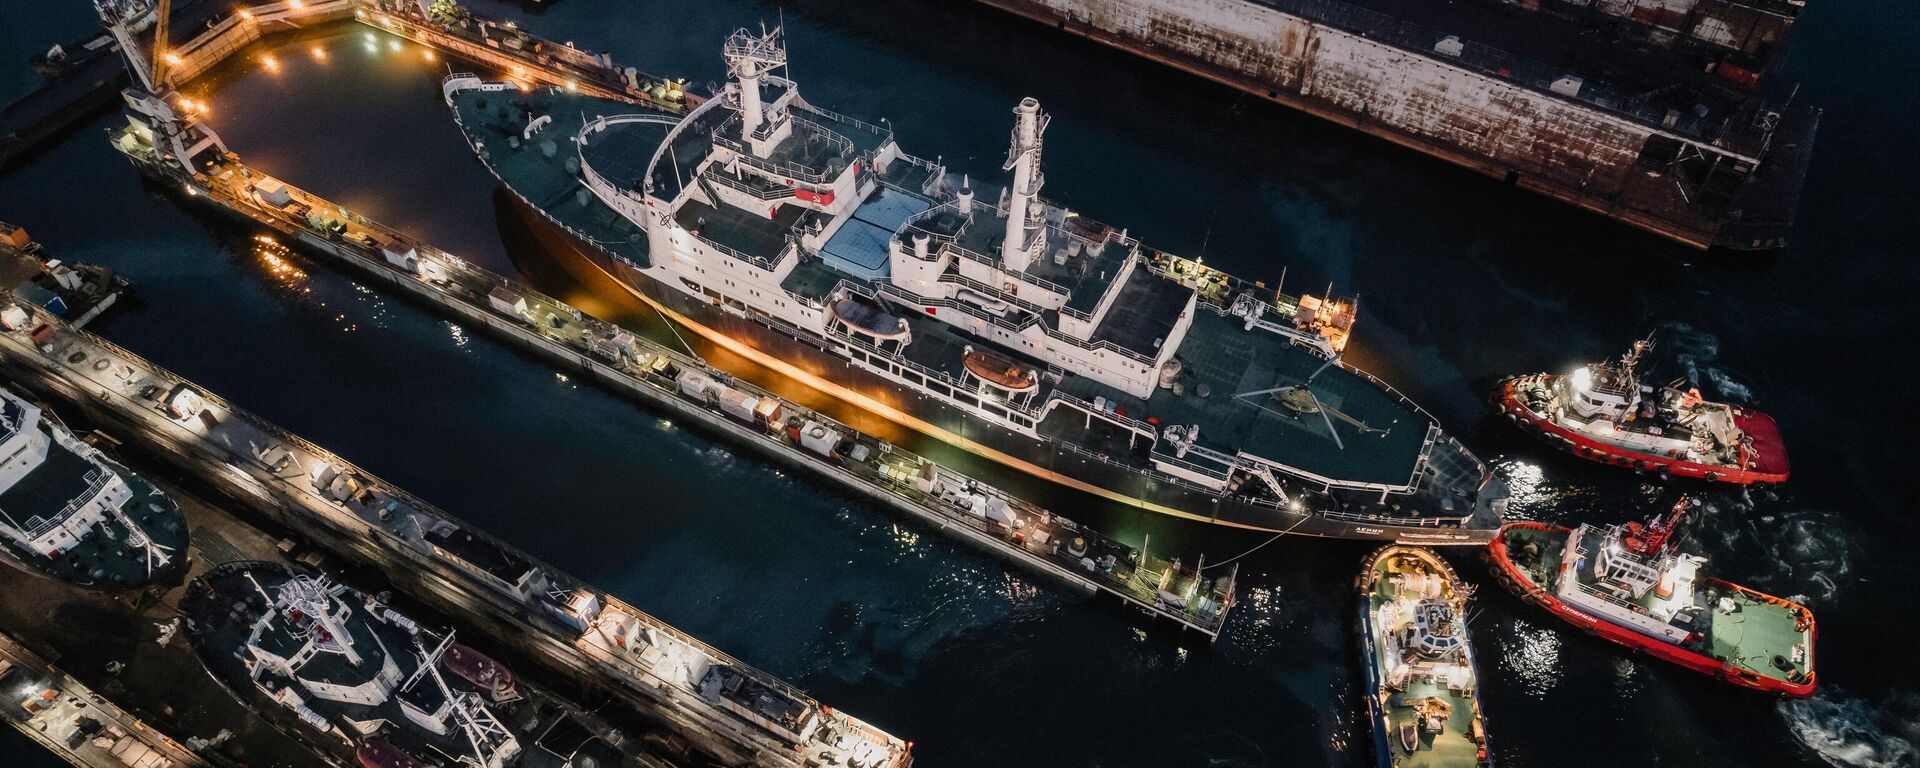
point(1026, 225)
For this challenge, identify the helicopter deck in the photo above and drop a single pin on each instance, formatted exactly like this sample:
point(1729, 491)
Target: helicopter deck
point(1231, 377)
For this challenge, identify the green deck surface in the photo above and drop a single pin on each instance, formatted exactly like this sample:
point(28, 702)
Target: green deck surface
point(495, 120)
point(1754, 635)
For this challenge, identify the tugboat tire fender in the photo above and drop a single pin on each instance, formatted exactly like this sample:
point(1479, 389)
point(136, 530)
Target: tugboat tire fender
point(1713, 476)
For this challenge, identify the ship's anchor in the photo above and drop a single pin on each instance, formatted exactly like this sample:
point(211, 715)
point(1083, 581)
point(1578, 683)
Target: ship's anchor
point(1299, 399)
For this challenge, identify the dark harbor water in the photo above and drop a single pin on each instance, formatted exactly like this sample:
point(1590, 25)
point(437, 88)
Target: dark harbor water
point(1461, 280)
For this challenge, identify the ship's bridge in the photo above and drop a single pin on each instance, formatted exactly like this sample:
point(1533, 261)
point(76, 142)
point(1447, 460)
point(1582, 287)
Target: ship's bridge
point(759, 179)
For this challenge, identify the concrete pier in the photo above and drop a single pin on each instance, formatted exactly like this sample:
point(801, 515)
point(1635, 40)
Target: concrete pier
point(75, 723)
point(207, 33)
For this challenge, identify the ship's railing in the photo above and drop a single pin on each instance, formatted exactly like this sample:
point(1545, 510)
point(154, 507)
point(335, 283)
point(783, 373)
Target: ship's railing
point(896, 358)
point(885, 134)
point(763, 262)
point(1160, 476)
point(967, 307)
point(1417, 521)
point(723, 137)
point(1533, 74)
point(936, 240)
point(991, 291)
point(1102, 344)
point(767, 192)
point(1127, 421)
point(1611, 599)
point(992, 261)
point(842, 144)
point(96, 480)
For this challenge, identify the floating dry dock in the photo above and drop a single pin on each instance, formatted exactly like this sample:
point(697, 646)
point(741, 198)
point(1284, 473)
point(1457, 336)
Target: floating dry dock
point(729, 709)
point(74, 722)
point(1668, 115)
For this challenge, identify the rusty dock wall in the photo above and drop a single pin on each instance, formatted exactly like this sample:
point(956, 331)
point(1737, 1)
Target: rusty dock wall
point(1565, 148)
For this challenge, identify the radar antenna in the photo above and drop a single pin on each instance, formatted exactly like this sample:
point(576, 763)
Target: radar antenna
point(749, 58)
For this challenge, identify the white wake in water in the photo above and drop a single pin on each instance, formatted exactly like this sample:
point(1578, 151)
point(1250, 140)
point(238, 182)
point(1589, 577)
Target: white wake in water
point(1848, 732)
point(1697, 352)
point(1802, 554)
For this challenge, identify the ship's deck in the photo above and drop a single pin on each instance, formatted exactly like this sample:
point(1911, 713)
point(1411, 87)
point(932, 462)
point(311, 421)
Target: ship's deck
point(1229, 374)
point(494, 120)
point(1753, 634)
point(1143, 316)
point(62, 477)
point(224, 603)
point(100, 559)
point(1450, 747)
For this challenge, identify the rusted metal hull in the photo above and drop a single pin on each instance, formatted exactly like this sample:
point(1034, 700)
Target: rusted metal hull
point(1558, 147)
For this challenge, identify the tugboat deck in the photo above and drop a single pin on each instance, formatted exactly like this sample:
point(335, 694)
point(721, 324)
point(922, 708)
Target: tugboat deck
point(1451, 746)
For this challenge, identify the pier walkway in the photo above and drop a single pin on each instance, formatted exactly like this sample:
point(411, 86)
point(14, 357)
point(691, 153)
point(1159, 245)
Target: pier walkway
point(206, 33)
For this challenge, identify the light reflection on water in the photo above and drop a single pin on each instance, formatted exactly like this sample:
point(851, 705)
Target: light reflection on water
point(1528, 658)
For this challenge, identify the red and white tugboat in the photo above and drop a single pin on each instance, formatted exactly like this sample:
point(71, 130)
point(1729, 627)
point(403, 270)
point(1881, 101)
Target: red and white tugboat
point(1629, 584)
point(1604, 413)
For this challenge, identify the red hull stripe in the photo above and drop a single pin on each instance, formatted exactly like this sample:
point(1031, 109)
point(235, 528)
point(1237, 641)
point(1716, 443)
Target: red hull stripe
point(1770, 465)
point(1521, 585)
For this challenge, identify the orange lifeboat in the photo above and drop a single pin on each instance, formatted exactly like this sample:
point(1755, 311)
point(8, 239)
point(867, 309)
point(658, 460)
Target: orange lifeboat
point(1000, 372)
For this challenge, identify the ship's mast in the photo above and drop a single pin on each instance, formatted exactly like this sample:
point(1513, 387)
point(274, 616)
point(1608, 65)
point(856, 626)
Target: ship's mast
point(1026, 219)
point(313, 598)
point(750, 58)
point(1631, 360)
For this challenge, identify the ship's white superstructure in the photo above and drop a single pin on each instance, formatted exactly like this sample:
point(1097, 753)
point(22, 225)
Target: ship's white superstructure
point(320, 645)
point(56, 491)
point(811, 242)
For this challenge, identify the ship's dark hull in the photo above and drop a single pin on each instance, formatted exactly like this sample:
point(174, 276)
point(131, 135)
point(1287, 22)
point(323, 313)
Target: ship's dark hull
point(1048, 459)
